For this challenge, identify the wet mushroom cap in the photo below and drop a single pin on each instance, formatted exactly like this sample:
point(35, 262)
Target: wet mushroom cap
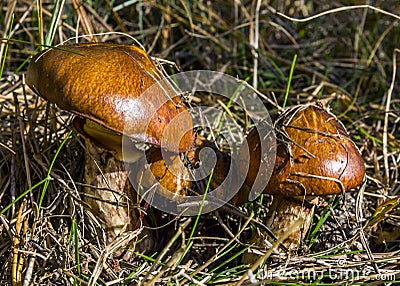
point(315, 155)
point(106, 83)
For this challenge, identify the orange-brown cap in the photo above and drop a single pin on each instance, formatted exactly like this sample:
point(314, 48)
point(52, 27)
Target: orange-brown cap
point(178, 177)
point(104, 82)
point(315, 155)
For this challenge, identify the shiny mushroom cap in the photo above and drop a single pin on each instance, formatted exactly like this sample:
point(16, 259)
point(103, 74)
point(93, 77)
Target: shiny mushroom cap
point(106, 83)
point(315, 155)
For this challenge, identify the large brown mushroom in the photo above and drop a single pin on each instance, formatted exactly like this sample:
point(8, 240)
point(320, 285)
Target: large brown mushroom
point(314, 157)
point(102, 83)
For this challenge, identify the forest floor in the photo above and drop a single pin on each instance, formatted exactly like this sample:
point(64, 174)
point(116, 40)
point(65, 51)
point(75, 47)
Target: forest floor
point(291, 52)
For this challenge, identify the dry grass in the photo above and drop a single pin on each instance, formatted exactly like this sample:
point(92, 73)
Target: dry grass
point(347, 58)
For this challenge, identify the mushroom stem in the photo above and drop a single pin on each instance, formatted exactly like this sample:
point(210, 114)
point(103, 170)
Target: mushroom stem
point(284, 212)
point(110, 195)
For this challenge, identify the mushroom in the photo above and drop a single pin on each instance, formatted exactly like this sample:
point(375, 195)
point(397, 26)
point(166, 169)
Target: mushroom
point(179, 178)
point(103, 84)
point(314, 157)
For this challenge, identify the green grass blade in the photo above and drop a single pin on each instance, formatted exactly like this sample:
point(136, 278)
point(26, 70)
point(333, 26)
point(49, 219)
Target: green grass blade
point(25, 193)
point(233, 257)
point(189, 243)
point(73, 235)
point(326, 213)
point(40, 20)
point(201, 207)
point(46, 184)
point(55, 18)
point(290, 80)
point(74, 230)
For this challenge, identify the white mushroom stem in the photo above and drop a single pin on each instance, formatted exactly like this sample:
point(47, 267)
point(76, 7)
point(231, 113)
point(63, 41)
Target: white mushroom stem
point(284, 212)
point(109, 193)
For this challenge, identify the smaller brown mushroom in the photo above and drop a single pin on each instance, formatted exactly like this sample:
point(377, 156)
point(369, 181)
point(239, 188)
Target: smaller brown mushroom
point(314, 157)
point(178, 176)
